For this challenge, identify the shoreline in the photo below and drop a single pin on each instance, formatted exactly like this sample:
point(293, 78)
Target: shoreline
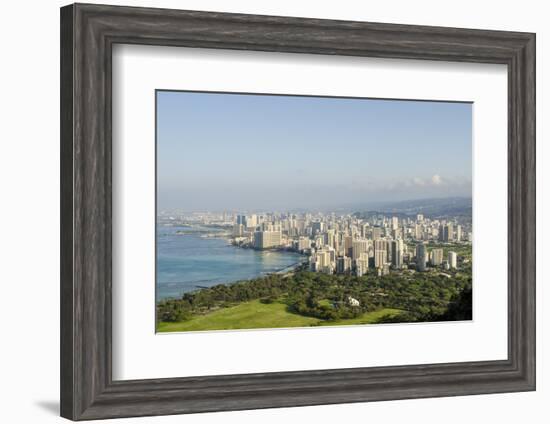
point(286, 271)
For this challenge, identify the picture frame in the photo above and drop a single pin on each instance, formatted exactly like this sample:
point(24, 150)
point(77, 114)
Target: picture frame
point(88, 33)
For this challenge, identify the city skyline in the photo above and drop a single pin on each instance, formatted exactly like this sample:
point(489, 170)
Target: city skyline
point(253, 152)
point(341, 243)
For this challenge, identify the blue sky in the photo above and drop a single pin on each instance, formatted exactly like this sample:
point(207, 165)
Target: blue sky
point(261, 152)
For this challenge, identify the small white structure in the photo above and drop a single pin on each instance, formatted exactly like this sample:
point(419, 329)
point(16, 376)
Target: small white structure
point(352, 301)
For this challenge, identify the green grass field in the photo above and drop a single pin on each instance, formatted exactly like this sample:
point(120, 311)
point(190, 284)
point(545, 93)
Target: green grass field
point(366, 318)
point(259, 315)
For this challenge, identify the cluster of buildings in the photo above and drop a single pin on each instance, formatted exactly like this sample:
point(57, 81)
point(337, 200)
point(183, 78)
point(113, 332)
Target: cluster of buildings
point(347, 244)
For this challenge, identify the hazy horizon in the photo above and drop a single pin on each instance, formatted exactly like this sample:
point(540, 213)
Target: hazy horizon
point(260, 152)
point(369, 206)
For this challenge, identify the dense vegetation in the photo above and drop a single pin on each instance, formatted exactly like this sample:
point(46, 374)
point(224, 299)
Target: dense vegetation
point(430, 296)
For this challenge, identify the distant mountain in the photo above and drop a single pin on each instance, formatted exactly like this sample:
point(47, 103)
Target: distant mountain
point(432, 208)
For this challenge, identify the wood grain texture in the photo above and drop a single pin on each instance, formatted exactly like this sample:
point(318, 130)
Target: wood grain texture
point(88, 33)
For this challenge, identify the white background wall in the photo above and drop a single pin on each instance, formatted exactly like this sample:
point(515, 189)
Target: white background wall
point(29, 213)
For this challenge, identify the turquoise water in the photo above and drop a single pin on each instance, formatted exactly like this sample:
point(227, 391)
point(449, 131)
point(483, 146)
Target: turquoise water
point(188, 262)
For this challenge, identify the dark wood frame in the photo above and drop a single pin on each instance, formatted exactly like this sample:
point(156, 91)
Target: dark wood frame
point(88, 33)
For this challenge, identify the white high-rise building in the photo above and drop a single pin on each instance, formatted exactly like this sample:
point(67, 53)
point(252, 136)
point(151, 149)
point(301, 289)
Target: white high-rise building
point(448, 232)
point(364, 230)
point(436, 257)
point(330, 238)
point(304, 243)
point(362, 265)
point(252, 221)
point(458, 233)
point(380, 253)
point(452, 259)
point(267, 239)
point(359, 247)
point(323, 257)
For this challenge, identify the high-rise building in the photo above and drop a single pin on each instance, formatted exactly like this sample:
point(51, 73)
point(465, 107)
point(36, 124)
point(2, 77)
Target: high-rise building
point(313, 264)
point(418, 232)
point(267, 239)
point(348, 245)
point(394, 223)
point(376, 233)
point(421, 257)
point(448, 233)
point(238, 230)
point(323, 257)
point(241, 220)
point(319, 241)
point(364, 230)
point(304, 243)
point(452, 260)
point(458, 233)
point(420, 217)
point(436, 257)
point(380, 253)
point(317, 227)
point(330, 238)
point(251, 221)
point(343, 264)
point(359, 247)
point(397, 253)
point(362, 265)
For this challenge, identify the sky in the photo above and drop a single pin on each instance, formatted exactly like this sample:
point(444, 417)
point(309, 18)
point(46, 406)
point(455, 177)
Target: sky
point(242, 152)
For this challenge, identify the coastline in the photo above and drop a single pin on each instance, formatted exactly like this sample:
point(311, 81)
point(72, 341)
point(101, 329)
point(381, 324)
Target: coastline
point(284, 272)
point(190, 262)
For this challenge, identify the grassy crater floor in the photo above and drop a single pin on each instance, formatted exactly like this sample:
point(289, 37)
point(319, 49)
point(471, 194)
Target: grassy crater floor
point(255, 314)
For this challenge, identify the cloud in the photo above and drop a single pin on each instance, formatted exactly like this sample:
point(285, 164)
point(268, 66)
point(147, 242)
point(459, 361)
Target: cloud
point(419, 182)
point(436, 180)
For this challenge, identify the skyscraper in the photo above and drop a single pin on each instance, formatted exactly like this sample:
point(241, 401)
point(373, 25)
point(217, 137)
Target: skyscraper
point(448, 232)
point(362, 265)
point(380, 253)
point(238, 230)
point(364, 230)
point(343, 264)
point(348, 245)
point(241, 220)
point(418, 232)
point(397, 253)
point(421, 257)
point(452, 259)
point(330, 238)
point(317, 227)
point(267, 239)
point(437, 257)
point(304, 243)
point(251, 221)
point(359, 247)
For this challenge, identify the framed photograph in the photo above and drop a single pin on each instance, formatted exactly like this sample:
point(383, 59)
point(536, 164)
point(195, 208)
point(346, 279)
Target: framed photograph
point(263, 211)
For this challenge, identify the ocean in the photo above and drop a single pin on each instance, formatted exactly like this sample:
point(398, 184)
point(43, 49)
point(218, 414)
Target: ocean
point(187, 262)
